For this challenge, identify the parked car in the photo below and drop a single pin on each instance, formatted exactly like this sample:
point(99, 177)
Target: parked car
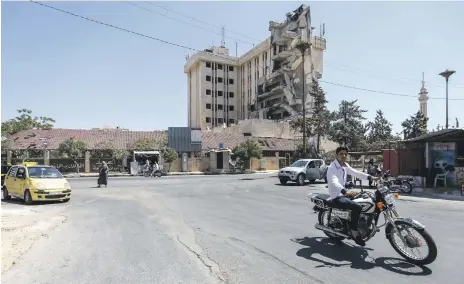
point(36, 183)
point(302, 170)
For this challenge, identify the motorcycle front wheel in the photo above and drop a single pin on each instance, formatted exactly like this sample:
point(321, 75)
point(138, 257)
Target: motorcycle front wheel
point(406, 187)
point(413, 243)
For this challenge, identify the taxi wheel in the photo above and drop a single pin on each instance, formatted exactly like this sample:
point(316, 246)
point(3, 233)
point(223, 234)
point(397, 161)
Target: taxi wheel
point(6, 196)
point(28, 198)
point(66, 200)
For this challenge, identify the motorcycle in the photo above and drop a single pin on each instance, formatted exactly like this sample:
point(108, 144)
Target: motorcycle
point(149, 172)
point(382, 202)
point(402, 184)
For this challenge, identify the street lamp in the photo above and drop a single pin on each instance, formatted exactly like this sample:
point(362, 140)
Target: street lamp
point(302, 46)
point(447, 73)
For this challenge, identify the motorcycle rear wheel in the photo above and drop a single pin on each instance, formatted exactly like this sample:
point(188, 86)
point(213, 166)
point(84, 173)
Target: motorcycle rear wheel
point(320, 218)
point(433, 251)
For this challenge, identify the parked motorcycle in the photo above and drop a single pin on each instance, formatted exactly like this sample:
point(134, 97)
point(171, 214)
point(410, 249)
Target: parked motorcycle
point(402, 184)
point(149, 172)
point(405, 235)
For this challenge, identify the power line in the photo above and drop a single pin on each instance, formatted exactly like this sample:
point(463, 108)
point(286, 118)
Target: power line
point(184, 22)
point(345, 65)
point(370, 73)
point(381, 92)
point(200, 21)
point(217, 55)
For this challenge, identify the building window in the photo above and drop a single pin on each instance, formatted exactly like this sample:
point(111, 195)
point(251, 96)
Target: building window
point(220, 120)
point(231, 108)
point(219, 93)
point(231, 121)
point(208, 106)
point(219, 79)
point(208, 64)
point(219, 107)
point(231, 68)
point(220, 66)
point(208, 92)
point(208, 120)
point(208, 78)
point(231, 81)
point(231, 94)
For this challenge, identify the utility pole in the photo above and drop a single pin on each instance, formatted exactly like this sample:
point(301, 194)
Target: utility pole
point(446, 74)
point(302, 47)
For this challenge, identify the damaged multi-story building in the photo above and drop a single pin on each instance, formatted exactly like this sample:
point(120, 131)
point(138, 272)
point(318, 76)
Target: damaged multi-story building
point(266, 82)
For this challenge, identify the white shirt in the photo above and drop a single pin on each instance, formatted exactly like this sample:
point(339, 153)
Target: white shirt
point(336, 177)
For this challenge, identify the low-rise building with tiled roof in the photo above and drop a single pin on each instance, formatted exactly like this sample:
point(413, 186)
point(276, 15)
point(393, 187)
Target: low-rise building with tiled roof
point(122, 139)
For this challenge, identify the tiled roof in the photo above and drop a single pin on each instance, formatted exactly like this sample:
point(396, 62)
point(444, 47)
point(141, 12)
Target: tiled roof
point(54, 137)
point(121, 138)
point(230, 140)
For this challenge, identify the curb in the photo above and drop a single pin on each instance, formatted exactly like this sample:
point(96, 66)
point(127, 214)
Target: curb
point(169, 174)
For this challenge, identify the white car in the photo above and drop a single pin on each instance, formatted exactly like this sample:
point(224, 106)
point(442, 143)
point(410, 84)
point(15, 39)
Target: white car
point(302, 170)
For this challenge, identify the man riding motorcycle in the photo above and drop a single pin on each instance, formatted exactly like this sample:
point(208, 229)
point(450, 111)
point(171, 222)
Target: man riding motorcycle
point(340, 197)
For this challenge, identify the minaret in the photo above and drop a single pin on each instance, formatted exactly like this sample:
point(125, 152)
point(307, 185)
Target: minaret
point(423, 98)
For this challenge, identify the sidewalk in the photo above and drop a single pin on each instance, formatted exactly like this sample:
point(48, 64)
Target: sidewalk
point(116, 174)
point(434, 193)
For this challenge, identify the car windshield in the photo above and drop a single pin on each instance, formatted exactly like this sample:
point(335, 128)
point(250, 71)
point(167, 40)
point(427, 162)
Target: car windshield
point(299, 164)
point(44, 172)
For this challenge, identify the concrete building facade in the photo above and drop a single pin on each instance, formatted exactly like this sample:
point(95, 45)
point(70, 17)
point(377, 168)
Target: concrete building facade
point(265, 82)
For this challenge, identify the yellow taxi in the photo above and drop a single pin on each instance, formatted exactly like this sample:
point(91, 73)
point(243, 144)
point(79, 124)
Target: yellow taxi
point(32, 182)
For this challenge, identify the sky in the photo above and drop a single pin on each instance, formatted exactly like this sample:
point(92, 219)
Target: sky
point(87, 75)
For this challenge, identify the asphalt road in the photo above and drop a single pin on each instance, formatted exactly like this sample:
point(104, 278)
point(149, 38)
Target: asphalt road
point(222, 229)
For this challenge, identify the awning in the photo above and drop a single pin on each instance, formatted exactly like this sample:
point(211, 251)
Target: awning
point(146, 152)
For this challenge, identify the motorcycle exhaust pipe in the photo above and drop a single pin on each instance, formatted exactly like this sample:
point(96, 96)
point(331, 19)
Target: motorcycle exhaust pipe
point(329, 230)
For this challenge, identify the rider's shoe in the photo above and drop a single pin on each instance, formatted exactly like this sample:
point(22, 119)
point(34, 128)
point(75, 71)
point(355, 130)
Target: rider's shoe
point(357, 238)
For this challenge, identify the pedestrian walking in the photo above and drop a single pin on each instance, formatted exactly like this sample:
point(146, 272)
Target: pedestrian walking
point(103, 175)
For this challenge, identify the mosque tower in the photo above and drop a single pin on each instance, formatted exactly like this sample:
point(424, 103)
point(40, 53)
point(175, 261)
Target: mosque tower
point(423, 98)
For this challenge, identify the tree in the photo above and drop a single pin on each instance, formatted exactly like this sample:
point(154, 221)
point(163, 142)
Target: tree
point(321, 116)
point(102, 150)
point(169, 156)
point(72, 149)
point(318, 122)
point(148, 144)
point(309, 152)
point(109, 151)
point(380, 132)
point(347, 128)
point(247, 150)
point(24, 121)
point(415, 126)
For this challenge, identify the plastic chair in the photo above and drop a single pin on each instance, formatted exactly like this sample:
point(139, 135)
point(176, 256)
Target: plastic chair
point(441, 177)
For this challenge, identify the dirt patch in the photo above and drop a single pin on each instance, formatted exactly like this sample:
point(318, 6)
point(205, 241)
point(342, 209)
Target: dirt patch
point(22, 227)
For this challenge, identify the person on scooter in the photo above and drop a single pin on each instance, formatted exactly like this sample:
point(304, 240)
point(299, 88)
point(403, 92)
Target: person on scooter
point(340, 197)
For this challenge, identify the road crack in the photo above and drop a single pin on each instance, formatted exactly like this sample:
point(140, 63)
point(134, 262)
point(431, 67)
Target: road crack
point(212, 266)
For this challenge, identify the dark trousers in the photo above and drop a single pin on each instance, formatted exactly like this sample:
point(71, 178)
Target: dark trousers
point(345, 203)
